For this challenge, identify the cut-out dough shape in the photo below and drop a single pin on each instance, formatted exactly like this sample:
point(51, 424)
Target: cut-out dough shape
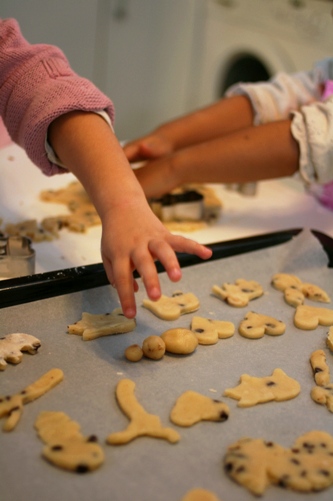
point(171, 308)
point(321, 371)
point(309, 317)
point(255, 325)
point(200, 495)
point(306, 467)
point(141, 422)
point(12, 346)
point(329, 339)
point(93, 326)
point(192, 407)
point(295, 291)
point(255, 390)
point(323, 395)
point(12, 406)
point(209, 331)
point(65, 446)
point(240, 293)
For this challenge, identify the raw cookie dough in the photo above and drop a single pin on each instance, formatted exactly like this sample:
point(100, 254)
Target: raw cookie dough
point(134, 353)
point(240, 293)
point(12, 406)
point(329, 339)
point(180, 341)
point(209, 331)
point(256, 390)
point(65, 446)
point(93, 326)
point(12, 346)
point(141, 422)
point(255, 325)
point(153, 347)
point(192, 407)
point(323, 395)
point(295, 291)
point(320, 368)
point(171, 308)
point(309, 317)
point(199, 495)
point(306, 467)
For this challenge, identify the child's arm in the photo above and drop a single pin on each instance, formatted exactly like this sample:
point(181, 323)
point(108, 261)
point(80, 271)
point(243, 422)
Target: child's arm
point(132, 237)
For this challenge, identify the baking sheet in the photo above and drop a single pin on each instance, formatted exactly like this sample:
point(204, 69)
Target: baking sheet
point(151, 469)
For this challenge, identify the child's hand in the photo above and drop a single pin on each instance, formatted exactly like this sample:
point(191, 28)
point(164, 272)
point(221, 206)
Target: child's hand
point(133, 237)
point(147, 148)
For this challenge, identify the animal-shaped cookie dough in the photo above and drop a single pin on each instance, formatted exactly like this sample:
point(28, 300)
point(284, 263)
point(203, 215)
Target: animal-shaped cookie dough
point(65, 446)
point(12, 346)
point(255, 325)
point(240, 293)
point(141, 422)
point(323, 395)
point(320, 368)
point(255, 390)
point(209, 331)
point(171, 308)
point(295, 291)
point(309, 317)
point(93, 326)
point(192, 407)
point(307, 466)
point(12, 406)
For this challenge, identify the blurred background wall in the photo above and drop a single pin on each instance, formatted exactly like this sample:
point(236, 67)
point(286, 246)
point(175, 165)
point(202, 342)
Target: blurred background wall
point(158, 59)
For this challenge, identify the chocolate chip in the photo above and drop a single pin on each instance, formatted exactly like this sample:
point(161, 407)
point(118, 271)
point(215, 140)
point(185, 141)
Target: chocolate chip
point(270, 383)
point(240, 469)
point(228, 467)
point(92, 438)
point(223, 416)
point(295, 461)
point(82, 468)
point(57, 448)
point(325, 473)
point(200, 331)
point(317, 369)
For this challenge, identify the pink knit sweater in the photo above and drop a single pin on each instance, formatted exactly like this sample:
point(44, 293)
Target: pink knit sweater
point(36, 86)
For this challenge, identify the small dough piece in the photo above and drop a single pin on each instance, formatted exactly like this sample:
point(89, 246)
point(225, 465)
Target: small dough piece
point(323, 395)
point(283, 281)
point(240, 293)
point(209, 331)
point(329, 339)
point(65, 446)
point(295, 291)
point(171, 308)
point(192, 407)
point(141, 423)
point(255, 390)
point(247, 462)
point(153, 347)
point(134, 353)
point(12, 346)
point(293, 296)
point(309, 317)
point(12, 406)
point(180, 341)
point(255, 325)
point(93, 326)
point(200, 495)
point(320, 368)
point(315, 293)
point(28, 228)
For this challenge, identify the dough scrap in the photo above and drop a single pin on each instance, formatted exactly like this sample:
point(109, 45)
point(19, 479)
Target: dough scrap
point(329, 339)
point(255, 390)
point(320, 368)
point(12, 346)
point(323, 395)
point(192, 407)
point(92, 326)
point(309, 317)
point(307, 466)
point(171, 308)
point(209, 331)
point(141, 422)
point(240, 293)
point(65, 446)
point(255, 325)
point(12, 406)
point(200, 495)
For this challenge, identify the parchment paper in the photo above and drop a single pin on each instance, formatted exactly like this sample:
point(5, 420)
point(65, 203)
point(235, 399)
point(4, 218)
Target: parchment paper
point(151, 469)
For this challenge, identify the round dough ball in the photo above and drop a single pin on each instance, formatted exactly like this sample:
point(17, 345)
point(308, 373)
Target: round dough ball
point(134, 353)
point(153, 347)
point(180, 341)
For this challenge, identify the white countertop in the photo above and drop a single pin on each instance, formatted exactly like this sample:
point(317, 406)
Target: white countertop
point(278, 205)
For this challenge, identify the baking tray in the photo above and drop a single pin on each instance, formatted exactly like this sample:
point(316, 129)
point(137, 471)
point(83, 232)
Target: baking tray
point(149, 469)
point(50, 284)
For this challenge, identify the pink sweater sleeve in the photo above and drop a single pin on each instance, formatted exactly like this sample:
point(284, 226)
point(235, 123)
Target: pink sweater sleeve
point(37, 85)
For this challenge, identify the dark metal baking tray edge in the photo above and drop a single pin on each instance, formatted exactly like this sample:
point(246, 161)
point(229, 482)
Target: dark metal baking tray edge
point(56, 283)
